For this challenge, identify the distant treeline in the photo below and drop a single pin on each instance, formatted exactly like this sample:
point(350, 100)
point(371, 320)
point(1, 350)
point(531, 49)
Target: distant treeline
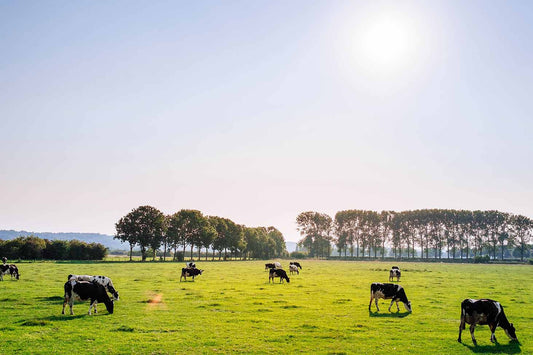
point(457, 233)
point(149, 229)
point(34, 248)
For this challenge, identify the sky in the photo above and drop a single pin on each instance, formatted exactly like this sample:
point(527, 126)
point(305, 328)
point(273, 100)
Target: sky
point(260, 110)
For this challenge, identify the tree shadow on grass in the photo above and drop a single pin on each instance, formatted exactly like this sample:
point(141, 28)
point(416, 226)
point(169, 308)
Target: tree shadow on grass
point(388, 315)
point(513, 347)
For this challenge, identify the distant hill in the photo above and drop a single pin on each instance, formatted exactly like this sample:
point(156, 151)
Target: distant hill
point(106, 240)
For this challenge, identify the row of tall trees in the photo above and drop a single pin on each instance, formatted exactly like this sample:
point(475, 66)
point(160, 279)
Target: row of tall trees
point(149, 229)
point(458, 233)
point(34, 248)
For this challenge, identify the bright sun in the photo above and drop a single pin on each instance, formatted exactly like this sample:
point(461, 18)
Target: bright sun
point(385, 44)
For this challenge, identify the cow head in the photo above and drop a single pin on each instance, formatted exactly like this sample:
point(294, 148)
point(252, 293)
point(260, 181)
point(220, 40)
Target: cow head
point(110, 306)
point(408, 306)
point(511, 333)
point(113, 292)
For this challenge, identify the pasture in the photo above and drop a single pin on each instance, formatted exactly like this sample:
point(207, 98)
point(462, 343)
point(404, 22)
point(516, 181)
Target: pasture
point(232, 308)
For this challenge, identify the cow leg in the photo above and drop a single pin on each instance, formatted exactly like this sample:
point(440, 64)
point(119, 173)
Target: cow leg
point(70, 303)
point(370, 304)
point(64, 304)
point(391, 302)
point(461, 327)
point(376, 301)
point(492, 335)
point(397, 306)
point(472, 327)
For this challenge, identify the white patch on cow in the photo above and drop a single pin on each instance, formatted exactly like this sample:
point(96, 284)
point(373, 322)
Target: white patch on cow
point(498, 305)
point(379, 294)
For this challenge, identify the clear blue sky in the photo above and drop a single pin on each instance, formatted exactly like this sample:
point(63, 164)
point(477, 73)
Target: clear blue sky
point(260, 110)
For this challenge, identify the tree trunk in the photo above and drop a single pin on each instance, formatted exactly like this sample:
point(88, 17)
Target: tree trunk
point(143, 253)
point(131, 251)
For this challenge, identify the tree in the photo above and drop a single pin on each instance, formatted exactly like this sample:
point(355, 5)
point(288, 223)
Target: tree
point(522, 228)
point(315, 228)
point(144, 226)
point(221, 227)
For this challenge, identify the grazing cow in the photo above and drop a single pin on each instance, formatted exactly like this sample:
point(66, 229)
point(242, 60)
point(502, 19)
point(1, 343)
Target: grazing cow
point(188, 271)
point(483, 312)
point(277, 265)
point(278, 273)
point(4, 260)
point(84, 290)
point(388, 291)
point(102, 280)
point(4, 269)
point(395, 272)
point(293, 268)
point(296, 263)
point(11, 269)
point(14, 271)
point(190, 264)
point(269, 266)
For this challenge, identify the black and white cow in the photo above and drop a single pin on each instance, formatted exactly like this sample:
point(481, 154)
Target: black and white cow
point(296, 263)
point(190, 264)
point(270, 266)
point(102, 280)
point(14, 271)
point(483, 312)
point(293, 269)
point(11, 269)
point(389, 291)
point(4, 269)
point(278, 273)
point(191, 272)
point(395, 272)
point(4, 260)
point(84, 290)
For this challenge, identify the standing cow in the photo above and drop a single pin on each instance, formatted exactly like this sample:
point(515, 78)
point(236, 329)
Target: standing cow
point(189, 271)
point(10, 269)
point(84, 290)
point(293, 269)
point(483, 312)
point(395, 272)
point(394, 292)
point(278, 273)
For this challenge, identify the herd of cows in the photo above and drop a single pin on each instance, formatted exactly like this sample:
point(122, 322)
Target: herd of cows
point(96, 289)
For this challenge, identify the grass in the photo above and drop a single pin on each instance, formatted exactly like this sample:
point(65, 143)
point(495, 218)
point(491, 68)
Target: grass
point(232, 308)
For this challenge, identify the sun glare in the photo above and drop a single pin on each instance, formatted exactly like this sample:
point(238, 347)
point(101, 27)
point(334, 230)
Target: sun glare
point(385, 43)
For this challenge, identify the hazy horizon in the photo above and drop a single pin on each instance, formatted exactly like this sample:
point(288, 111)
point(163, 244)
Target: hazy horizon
point(258, 111)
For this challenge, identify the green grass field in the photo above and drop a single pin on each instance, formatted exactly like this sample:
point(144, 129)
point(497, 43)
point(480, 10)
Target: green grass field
point(232, 308)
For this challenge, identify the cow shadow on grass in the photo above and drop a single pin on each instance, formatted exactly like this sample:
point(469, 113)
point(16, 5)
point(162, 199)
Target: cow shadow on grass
point(388, 315)
point(512, 347)
point(52, 299)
